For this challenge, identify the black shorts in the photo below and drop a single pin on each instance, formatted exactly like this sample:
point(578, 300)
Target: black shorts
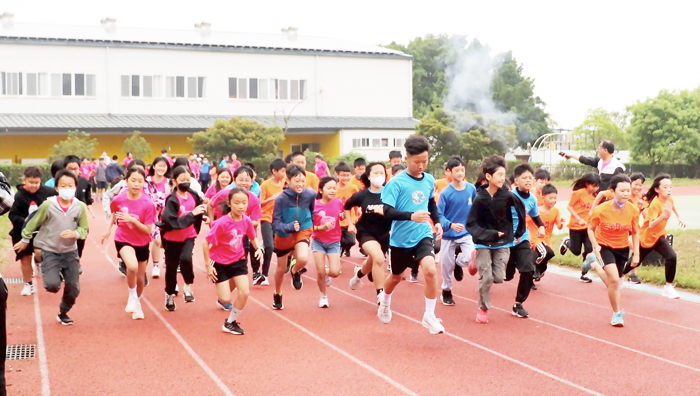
point(26, 252)
point(383, 241)
point(402, 258)
point(142, 252)
point(225, 272)
point(102, 185)
point(618, 257)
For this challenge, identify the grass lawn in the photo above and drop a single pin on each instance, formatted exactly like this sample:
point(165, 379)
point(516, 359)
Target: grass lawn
point(687, 246)
point(678, 182)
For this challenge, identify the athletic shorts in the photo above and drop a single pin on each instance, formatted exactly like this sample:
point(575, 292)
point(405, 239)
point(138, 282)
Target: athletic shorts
point(225, 272)
point(285, 245)
point(325, 247)
point(402, 258)
point(26, 252)
point(383, 242)
point(142, 252)
point(102, 185)
point(618, 257)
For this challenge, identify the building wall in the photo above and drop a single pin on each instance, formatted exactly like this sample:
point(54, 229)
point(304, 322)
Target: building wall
point(329, 143)
point(337, 86)
point(395, 142)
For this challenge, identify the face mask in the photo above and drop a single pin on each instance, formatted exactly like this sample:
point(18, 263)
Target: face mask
point(183, 187)
point(377, 181)
point(66, 193)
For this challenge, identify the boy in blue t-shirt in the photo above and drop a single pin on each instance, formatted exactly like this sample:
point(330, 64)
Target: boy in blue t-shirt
point(521, 255)
point(408, 202)
point(453, 206)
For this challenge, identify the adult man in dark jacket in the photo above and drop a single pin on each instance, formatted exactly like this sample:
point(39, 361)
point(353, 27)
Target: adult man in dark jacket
point(606, 163)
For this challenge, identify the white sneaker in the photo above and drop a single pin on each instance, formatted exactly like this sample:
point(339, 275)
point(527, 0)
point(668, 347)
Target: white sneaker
point(328, 280)
point(622, 284)
point(138, 313)
point(266, 281)
point(670, 292)
point(156, 272)
point(131, 305)
point(323, 302)
point(28, 289)
point(433, 324)
point(384, 313)
point(355, 282)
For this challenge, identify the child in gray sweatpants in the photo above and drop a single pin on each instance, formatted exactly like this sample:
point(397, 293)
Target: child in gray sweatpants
point(63, 220)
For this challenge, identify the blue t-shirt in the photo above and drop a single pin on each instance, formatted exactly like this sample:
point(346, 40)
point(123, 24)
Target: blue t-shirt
point(531, 209)
point(454, 207)
point(223, 164)
point(50, 183)
point(255, 189)
point(204, 172)
point(407, 194)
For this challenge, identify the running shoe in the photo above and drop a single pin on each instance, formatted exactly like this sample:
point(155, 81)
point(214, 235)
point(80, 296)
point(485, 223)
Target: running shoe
point(471, 268)
point(564, 247)
point(277, 301)
point(323, 302)
point(584, 279)
point(433, 324)
point(256, 276)
point(670, 292)
point(155, 274)
point(413, 278)
point(328, 280)
point(586, 266)
point(634, 279)
point(296, 279)
point(446, 297)
point(170, 302)
point(225, 307)
point(258, 281)
point(189, 297)
point(459, 273)
point(122, 267)
point(384, 311)
point(64, 319)
point(28, 289)
point(138, 313)
point(482, 316)
point(265, 281)
point(232, 328)
point(131, 305)
point(617, 320)
point(355, 282)
point(347, 252)
point(621, 285)
point(519, 311)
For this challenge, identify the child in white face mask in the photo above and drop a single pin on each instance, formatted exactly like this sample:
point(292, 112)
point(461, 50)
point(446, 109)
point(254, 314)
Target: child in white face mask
point(63, 220)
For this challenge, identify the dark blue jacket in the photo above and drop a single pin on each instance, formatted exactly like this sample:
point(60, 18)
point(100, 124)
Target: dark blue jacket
point(291, 207)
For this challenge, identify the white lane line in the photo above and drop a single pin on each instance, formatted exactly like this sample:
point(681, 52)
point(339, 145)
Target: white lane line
point(41, 346)
point(339, 350)
point(481, 347)
point(184, 343)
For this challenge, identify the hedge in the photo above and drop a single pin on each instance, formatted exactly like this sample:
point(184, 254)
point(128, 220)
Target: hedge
point(14, 172)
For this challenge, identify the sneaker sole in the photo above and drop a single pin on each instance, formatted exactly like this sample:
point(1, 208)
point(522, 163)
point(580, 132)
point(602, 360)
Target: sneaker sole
point(520, 316)
point(480, 322)
point(137, 317)
point(434, 332)
point(62, 322)
point(449, 303)
point(323, 306)
point(231, 332)
point(278, 309)
point(170, 310)
point(618, 325)
point(222, 307)
point(585, 281)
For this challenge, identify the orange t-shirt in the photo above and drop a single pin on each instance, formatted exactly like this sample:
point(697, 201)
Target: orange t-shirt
point(312, 180)
point(582, 202)
point(649, 236)
point(613, 228)
point(344, 194)
point(540, 198)
point(267, 190)
point(550, 221)
point(357, 183)
point(608, 195)
point(440, 184)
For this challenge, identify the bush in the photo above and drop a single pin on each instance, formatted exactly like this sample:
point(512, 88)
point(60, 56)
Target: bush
point(14, 172)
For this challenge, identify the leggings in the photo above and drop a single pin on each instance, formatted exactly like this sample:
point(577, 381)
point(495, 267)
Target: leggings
point(268, 244)
point(254, 262)
point(579, 238)
point(178, 253)
point(663, 247)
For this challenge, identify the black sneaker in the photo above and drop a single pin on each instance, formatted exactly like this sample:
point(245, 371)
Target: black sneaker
point(256, 276)
point(64, 319)
point(585, 279)
point(459, 273)
point(634, 279)
point(170, 302)
point(446, 297)
point(347, 252)
point(564, 247)
point(258, 280)
point(519, 311)
point(296, 279)
point(232, 328)
point(277, 301)
point(189, 297)
point(122, 267)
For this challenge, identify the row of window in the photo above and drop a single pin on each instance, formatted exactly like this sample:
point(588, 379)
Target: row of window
point(45, 84)
point(377, 143)
point(154, 87)
point(266, 89)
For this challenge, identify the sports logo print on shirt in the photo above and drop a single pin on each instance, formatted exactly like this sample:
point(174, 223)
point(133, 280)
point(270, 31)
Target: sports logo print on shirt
point(418, 197)
point(326, 219)
point(125, 210)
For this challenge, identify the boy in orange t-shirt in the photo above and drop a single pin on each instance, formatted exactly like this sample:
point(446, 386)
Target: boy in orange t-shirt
point(269, 190)
point(551, 218)
point(579, 206)
point(395, 158)
point(542, 179)
point(312, 180)
point(359, 166)
point(344, 191)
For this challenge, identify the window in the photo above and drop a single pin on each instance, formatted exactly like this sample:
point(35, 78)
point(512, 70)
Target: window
point(282, 90)
point(191, 87)
point(147, 86)
point(175, 87)
point(67, 84)
point(253, 88)
point(294, 89)
point(398, 142)
point(126, 86)
point(11, 83)
point(313, 147)
point(262, 89)
point(364, 142)
point(180, 87)
point(36, 84)
point(135, 85)
point(89, 84)
point(79, 85)
point(201, 87)
point(375, 142)
point(302, 89)
point(55, 85)
point(232, 87)
point(243, 88)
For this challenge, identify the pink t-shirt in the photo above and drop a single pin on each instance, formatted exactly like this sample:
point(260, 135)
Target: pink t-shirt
point(86, 170)
point(321, 169)
point(187, 205)
point(325, 213)
point(142, 209)
point(127, 161)
point(226, 237)
point(219, 200)
point(211, 191)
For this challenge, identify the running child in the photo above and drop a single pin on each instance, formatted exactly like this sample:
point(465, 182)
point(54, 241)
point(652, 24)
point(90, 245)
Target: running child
point(270, 189)
point(409, 203)
point(345, 190)
point(550, 216)
point(134, 213)
point(455, 202)
point(292, 224)
point(63, 220)
point(30, 195)
point(83, 192)
point(101, 178)
point(653, 232)
point(442, 183)
point(181, 222)
point(326, 236)
point(225, 256)
point(312, 180)
point(255, 187)
point(542, 178)
point(395, 158)
point(359, 168)
point(490, 224)
point(372, 228)
point(609, 230)
point(580, 205)
point(223, 180)
point(158, 179)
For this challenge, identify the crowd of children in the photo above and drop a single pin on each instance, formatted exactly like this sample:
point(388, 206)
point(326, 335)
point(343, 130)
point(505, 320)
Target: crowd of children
point(400, 215)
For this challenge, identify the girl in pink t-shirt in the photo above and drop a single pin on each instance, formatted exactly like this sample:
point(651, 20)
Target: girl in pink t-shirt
point(159, 184)
point(225, 256)
point(134, 213)
point(223, 179)
point(181, 221)
point(326, 237)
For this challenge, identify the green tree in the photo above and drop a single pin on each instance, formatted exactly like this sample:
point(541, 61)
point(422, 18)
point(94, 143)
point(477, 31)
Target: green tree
point(348, 158)
point(251, 141)
point(138, 146)
point(599, 124)
point(77, 143)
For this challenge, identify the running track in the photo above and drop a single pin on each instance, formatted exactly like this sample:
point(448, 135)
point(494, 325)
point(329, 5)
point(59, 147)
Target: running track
point(567, 347)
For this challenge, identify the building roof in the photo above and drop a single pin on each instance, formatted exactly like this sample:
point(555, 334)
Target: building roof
point(195, 39)
point(38, 123)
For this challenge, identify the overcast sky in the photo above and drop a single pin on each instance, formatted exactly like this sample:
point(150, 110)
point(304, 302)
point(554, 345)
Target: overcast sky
point(582, 55)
